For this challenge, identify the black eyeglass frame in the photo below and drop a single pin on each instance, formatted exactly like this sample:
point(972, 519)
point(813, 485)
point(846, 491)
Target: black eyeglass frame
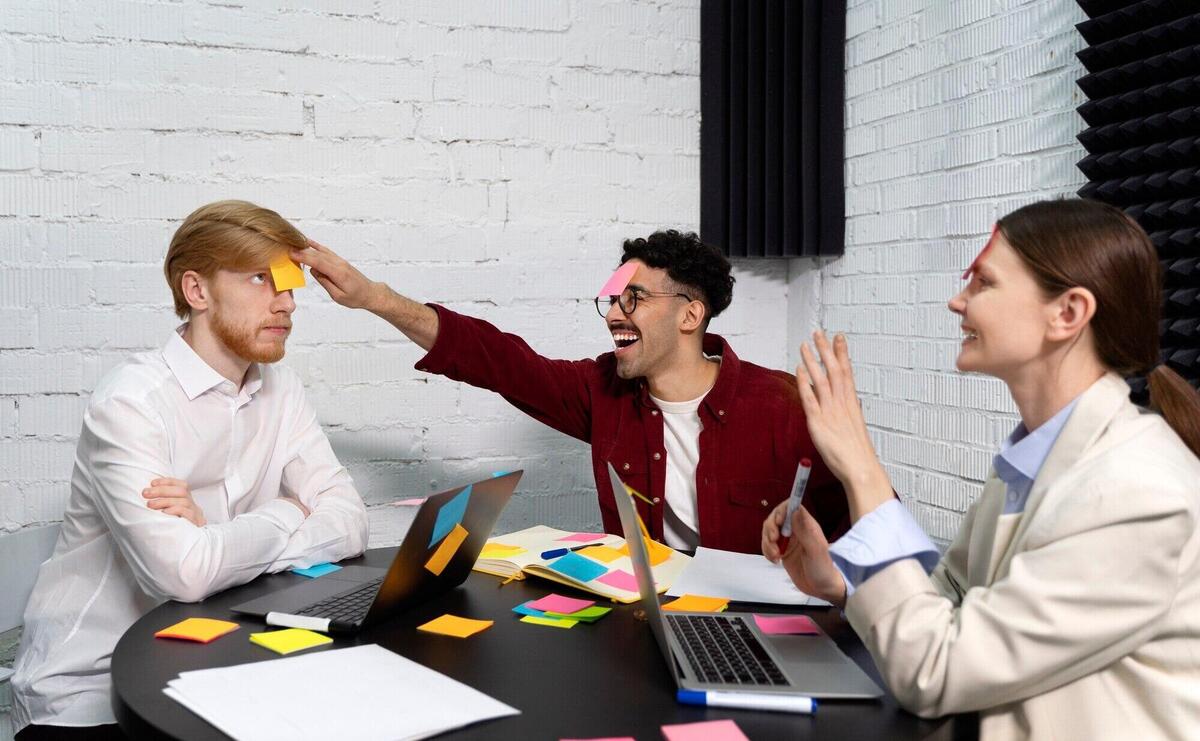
point(635, 294)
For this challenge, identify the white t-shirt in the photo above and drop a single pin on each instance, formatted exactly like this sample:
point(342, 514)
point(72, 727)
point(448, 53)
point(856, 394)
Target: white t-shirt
point(681, 438)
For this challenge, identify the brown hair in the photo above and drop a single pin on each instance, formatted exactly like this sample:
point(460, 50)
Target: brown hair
point(229, 235)
point(1093, 245)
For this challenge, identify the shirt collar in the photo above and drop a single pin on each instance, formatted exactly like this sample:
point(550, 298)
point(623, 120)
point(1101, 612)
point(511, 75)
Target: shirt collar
point(196, 376)
point(1023, 453)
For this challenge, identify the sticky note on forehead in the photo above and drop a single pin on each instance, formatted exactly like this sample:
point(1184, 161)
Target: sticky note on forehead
point(619, 280)
point(286, 274)
point(975, 263)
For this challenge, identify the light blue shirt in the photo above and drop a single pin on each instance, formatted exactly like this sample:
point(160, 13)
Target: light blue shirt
point(889, 533)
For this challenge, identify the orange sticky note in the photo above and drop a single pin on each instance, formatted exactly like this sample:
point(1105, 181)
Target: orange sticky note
point(657, 552)
point(697, 603)
point(287, 274)
point(453, 625)
point(601, 553)
point(200, 630)
point(437, 562)
point(500, 550)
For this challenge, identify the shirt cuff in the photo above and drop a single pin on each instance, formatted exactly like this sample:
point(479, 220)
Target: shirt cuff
point(885, 535)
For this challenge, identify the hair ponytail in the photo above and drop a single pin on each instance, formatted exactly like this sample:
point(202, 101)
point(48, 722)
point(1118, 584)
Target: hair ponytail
point(1178, 403)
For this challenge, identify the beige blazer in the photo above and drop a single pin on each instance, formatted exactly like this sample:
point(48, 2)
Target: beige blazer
point(1079, 619)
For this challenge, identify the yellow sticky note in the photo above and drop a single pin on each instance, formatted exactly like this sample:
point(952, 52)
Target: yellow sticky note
point(697, 603)
point(453, 625)
point(500, 550)
point(657, 552)
point(601, 553)
point(289, 640)
point(437, 562)
point(550, 622)
point(287, 274)
point(201, 630)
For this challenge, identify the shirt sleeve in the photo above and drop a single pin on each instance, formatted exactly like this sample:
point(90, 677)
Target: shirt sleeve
point(123, 446)
point(885, 535)
point(337, 527)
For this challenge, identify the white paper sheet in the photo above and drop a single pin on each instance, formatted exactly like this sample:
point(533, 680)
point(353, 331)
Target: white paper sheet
point(742, 577)
point(365, 692)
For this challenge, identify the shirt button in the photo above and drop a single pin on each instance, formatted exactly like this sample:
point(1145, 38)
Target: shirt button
point(657, 500)
point(658, 456)
point(625, 467)
point(720, 412)
point(653, 412)
point(764, 503)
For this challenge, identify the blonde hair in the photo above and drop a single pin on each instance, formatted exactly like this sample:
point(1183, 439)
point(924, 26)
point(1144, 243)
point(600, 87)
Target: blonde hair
point(228, 235)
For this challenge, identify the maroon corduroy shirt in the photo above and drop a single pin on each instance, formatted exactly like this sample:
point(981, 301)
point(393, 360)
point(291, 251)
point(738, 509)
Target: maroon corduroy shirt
point(754, 433)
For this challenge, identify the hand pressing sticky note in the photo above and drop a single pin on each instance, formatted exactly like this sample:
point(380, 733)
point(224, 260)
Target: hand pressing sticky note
point(601, 553)
point(500, 550)
point(200, 630)
point(710, 730)
point(286, 274)
point(289, 640)
point(559, 603)
point(437, 562)
point(697, 603)
point(787, 625)
point(453, 625)
point(549, 621)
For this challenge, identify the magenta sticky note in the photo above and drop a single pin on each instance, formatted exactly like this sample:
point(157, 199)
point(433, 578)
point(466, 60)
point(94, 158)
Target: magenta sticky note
point(582, 537)
point(620, 579)
point(711, 730)
point(787, 625)
point(619, 280)
point(560, 604)
point(975, 263)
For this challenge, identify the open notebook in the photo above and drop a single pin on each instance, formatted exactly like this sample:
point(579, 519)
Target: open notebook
point(600, 564)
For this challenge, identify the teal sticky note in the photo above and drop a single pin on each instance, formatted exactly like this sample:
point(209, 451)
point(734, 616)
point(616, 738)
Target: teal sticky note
point(319, 569)
point(450, 515)
point(524, 609)
point(575, 565)
point(498, 474)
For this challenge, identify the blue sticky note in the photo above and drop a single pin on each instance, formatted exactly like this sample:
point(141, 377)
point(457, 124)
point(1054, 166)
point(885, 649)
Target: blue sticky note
point(450, 515)
point(521, 609)
point(498, 474)
point(583, 569)
point(320, 569)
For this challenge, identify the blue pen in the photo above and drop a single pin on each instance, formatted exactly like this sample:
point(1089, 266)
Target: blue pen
point(748, 701)
point(555, 553)
point(803, 471)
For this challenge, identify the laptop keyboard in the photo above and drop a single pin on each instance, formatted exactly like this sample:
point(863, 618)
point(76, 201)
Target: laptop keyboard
point(348, 607)
point(723, 649)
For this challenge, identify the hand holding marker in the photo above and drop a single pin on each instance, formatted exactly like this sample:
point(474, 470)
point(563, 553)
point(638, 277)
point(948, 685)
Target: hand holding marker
point(803, 471)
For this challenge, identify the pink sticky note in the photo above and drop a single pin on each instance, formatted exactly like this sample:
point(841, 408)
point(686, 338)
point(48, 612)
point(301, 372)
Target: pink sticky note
point(620, 579)
point(606, 738)
point(582, 537)
point(787, 625)
point(974, 263)
point(414, 502)
point(619, 280)
point(711, 730)
point(560, 604)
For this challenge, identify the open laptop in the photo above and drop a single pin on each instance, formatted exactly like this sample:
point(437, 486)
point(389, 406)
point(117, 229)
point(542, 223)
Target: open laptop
point(434, 557)
point(726, 651)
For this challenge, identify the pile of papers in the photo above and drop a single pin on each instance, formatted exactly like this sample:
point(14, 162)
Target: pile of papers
point(365, 692)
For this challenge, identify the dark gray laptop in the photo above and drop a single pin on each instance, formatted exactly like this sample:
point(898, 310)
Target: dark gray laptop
point(357, 596)
point(726, 651)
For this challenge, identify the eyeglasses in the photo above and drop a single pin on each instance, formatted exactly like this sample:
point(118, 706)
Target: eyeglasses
point(628, 300)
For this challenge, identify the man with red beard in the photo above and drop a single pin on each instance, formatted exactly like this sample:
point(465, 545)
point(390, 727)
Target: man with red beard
point(199, 467)
point(711, 441)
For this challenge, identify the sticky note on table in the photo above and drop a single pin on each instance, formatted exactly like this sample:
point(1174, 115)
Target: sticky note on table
point(787, 625)
point(618, 280)
point(620, 579)
point(710, 730)
point(453, 625)
point(437, 562)
point(606, 738)
point(289, 640)
point(657, 552)
point(450, 515)
point(601, 553)
point(582, 537)
point(500, 550)
point(586, 615)
point(549, 621)
point(576, 566)
point(286, 274)
point(525, 609)
point(559, 603)
point(200, 630)
point(697, 603)
point(320, 569)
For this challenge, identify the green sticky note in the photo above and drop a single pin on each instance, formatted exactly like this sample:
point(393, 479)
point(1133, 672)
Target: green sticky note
point(549, 622)
point(587, 615)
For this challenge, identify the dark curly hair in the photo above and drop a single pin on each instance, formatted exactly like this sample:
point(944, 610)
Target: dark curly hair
point(696, 267)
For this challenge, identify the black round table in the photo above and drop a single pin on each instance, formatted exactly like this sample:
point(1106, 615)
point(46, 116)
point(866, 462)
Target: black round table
point(602, 679)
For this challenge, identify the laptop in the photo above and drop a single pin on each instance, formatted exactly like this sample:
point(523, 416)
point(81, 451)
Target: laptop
point(726, 651)
point(434, 557)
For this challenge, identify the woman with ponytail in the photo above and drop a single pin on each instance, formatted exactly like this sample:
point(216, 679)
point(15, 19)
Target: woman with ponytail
point(1068, 605)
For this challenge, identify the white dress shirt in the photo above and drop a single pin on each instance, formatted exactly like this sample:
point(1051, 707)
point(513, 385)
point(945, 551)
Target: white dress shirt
point(167, 413)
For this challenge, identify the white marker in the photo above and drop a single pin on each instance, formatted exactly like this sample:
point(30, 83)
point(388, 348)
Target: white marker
point(748, 700)
point(797, 496)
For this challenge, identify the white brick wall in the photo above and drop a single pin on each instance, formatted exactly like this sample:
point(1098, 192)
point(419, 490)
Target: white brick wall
point(956, 113)
point(488, 155)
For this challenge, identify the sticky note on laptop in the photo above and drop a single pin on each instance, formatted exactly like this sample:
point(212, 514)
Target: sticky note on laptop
point(697, 603)
point(289, 640)
point(450, 515)
point(787, 625)
point(200, 630)
point(286, 274)
point(453, 625)
point(437, 562)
